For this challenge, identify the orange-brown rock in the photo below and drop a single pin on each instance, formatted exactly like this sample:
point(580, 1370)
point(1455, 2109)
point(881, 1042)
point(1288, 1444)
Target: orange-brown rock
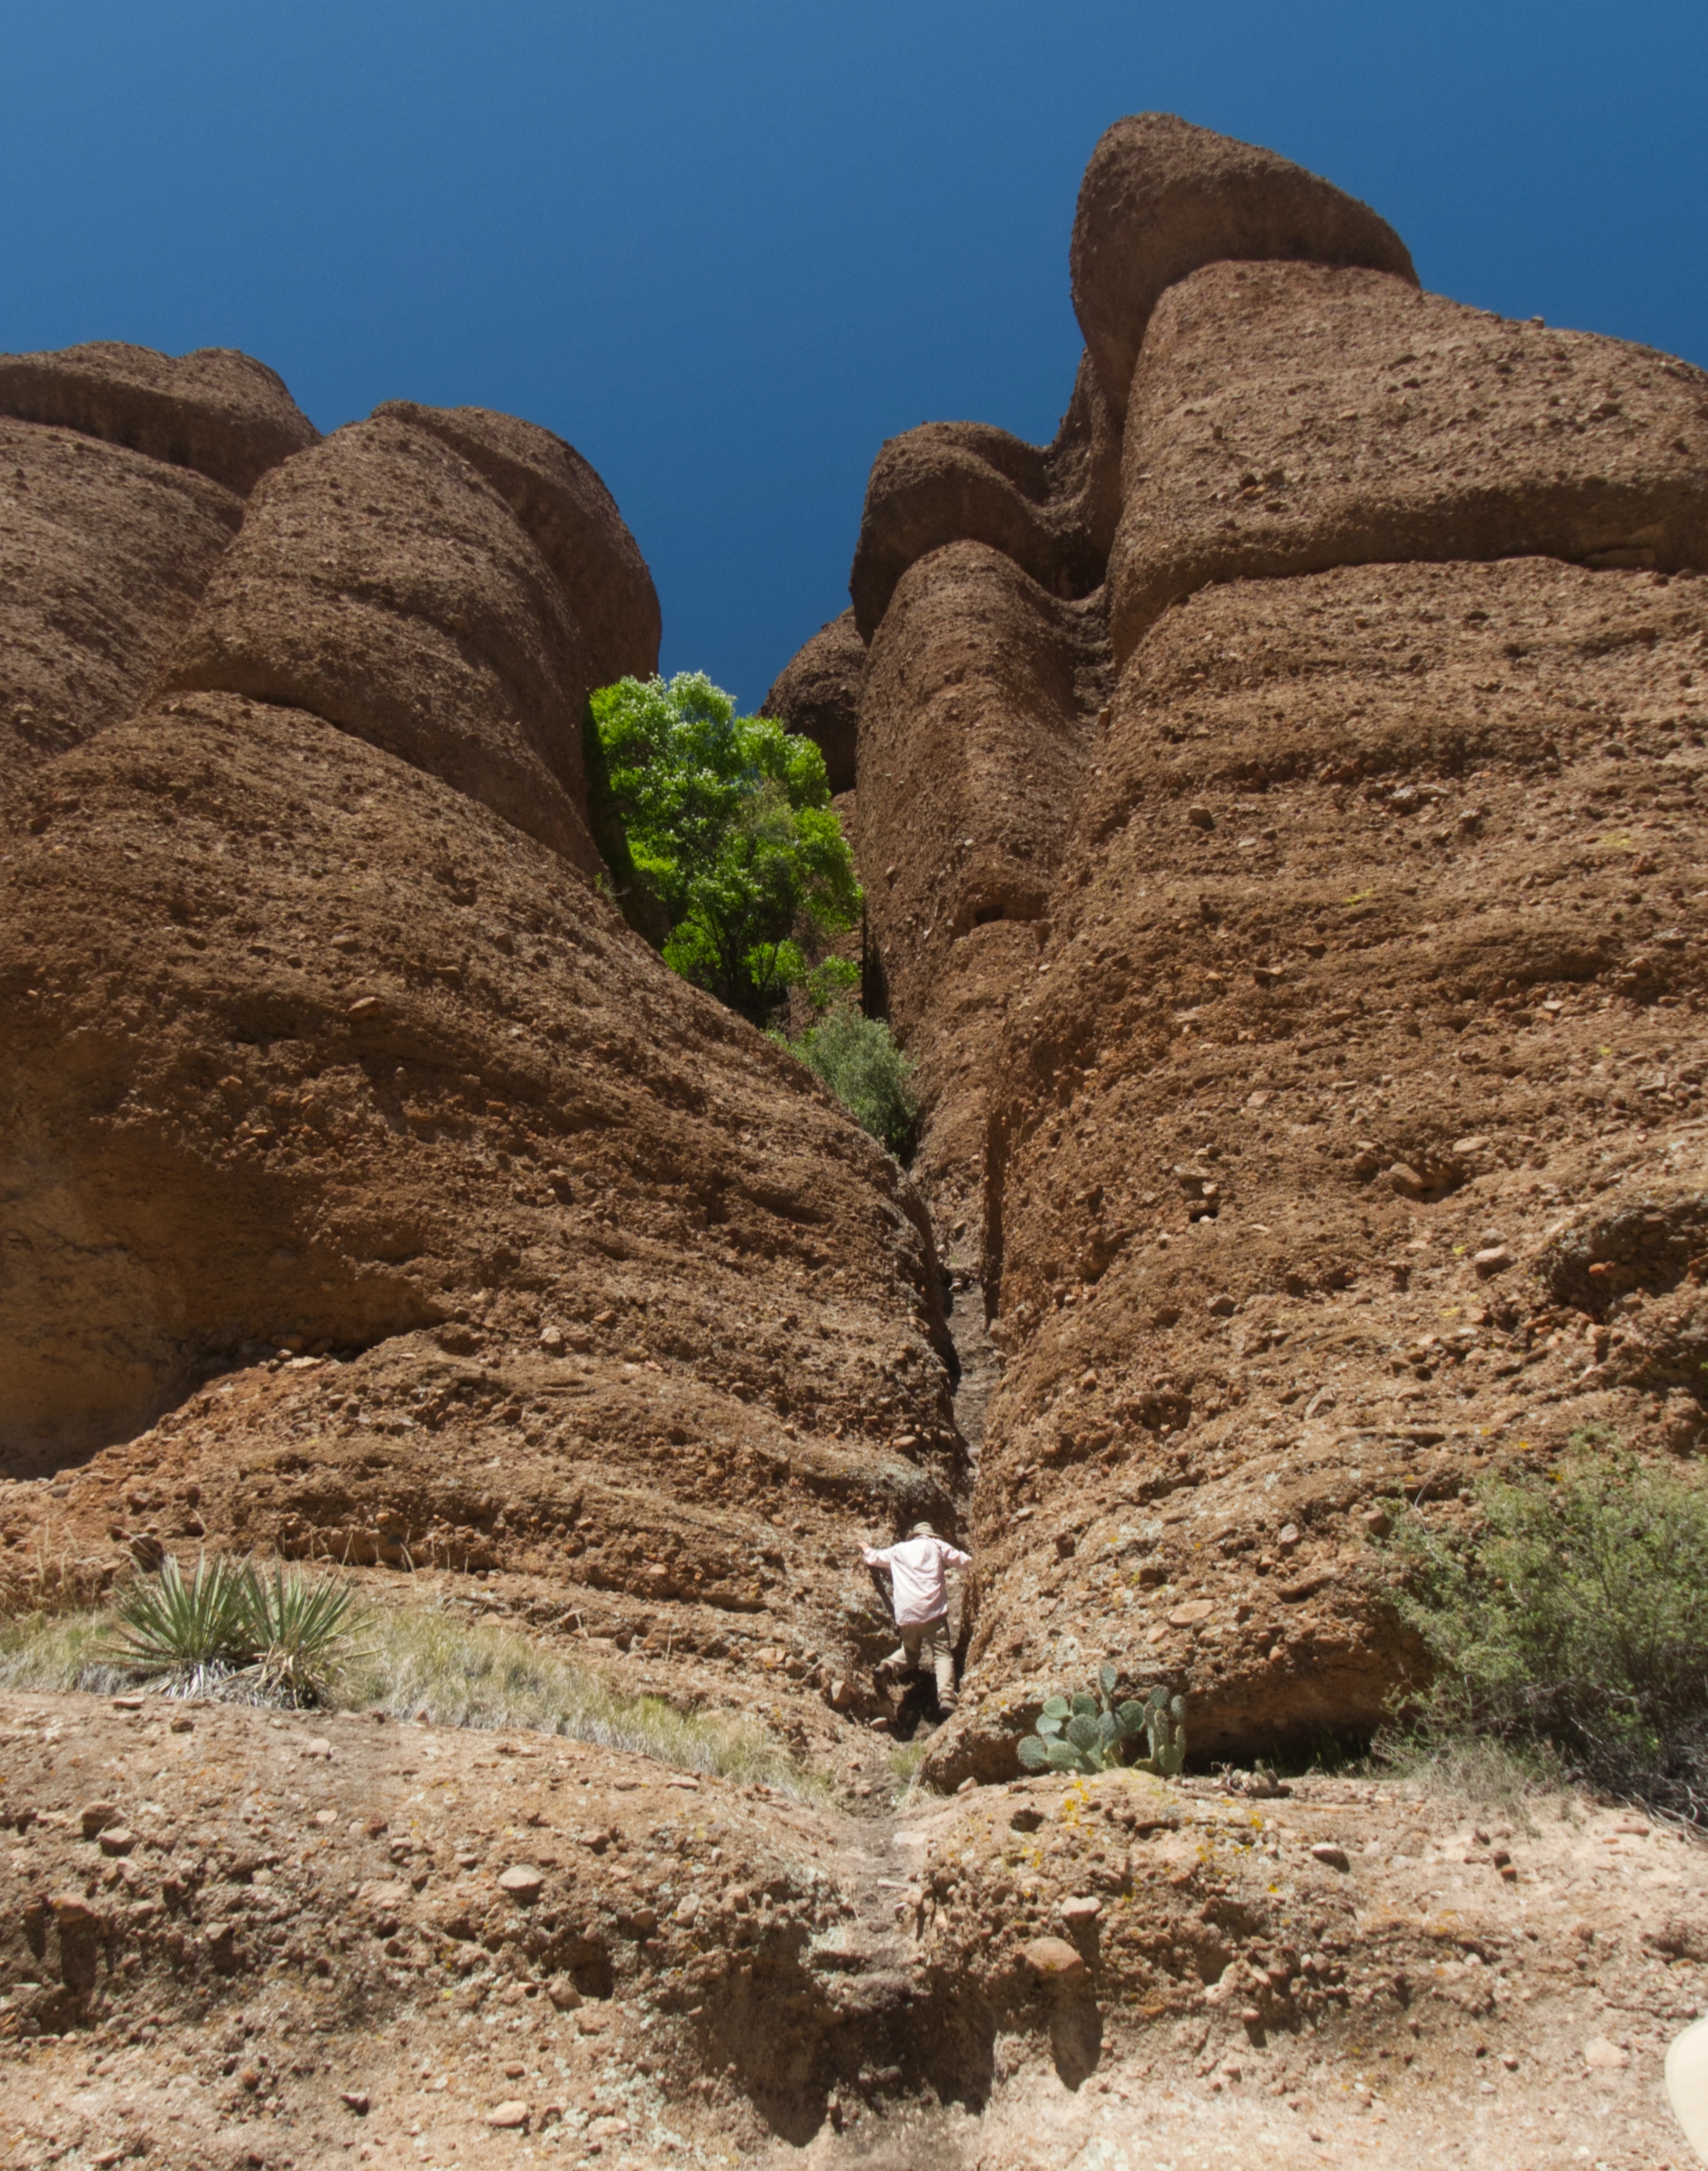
point(381, 583)
point(976, 710)
point(1369, 1021)
point(816, 696)
point(1161, 198)
point(104, 553)
point(1286, 417)
point(1051, 508)
point(574, 521)
point(223, 413)
point(561, 1270)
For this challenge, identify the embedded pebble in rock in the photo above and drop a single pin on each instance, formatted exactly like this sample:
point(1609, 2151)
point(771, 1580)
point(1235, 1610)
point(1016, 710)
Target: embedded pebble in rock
point(1054, 1958)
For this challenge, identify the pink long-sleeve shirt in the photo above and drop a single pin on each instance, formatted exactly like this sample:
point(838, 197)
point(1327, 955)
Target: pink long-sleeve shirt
point(916, 1568)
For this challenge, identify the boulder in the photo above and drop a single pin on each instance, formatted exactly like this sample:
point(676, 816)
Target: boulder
point(1053, 1958)
point(220, 412)
point(1162, 197)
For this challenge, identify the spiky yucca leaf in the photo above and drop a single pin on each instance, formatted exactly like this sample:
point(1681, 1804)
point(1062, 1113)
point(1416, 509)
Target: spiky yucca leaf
point(171, 1625)
point(299, 1630)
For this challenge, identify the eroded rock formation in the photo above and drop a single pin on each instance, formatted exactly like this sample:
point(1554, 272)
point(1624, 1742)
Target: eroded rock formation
point(373, 1193)
point(1266, 928)
point(1278, 811)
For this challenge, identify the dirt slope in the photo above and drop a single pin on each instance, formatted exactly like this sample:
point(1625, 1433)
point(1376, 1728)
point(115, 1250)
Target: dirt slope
point(231, 1939)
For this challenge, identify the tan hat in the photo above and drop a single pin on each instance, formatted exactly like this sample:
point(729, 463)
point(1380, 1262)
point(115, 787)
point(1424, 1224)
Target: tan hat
point(922, 1530)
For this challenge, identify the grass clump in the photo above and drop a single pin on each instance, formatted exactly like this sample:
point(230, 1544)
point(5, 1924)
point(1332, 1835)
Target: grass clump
point(1565, 1626)
point(230, 1630)
point(858, 1060)
point(460, 1673)
point(299, 1649)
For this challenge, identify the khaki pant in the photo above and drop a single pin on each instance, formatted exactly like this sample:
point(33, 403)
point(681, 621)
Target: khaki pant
point(927, 1644)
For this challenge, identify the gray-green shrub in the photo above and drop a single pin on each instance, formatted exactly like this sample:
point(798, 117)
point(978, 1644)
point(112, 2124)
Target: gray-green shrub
point(858, 1059)
point(1566, 1619)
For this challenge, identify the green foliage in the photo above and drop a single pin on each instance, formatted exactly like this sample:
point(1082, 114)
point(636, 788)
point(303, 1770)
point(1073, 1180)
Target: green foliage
point(1567, 1622)
point(298, 1630)
point(195, 1631)
point(229, 1629)
point(726, 821)
point(1089, 1734)
point(856, 1057)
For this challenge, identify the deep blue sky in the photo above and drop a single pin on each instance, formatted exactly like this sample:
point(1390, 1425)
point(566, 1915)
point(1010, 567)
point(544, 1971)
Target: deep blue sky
point(727, 248)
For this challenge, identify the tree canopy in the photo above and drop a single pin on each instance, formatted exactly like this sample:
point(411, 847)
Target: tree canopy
point(727, 821)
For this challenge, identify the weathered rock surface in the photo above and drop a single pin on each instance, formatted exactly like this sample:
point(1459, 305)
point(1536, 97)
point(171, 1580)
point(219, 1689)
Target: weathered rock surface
point(574, 522)
point(1286, 417)
point(381, 583)
point(218, 411)
point(1161, 198)
point(1289, 1132)
point(1051, 508)
point(360, 1072)
point(817, 695)
point(986, 685)
point(104, 554)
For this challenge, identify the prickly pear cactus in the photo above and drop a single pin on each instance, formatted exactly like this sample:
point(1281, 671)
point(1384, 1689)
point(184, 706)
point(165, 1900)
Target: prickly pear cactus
point(1086, 1732)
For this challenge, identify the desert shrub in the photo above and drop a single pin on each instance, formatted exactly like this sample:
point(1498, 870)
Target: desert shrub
point(299, 1632)
point(859, 1062)
point(230, 1630)
point(1566, 1622)
point(725, 822)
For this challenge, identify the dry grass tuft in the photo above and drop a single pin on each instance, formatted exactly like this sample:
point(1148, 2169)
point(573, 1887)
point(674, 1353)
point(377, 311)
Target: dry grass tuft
point(460, 1673)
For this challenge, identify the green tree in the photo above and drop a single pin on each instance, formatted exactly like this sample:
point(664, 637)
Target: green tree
point(727, 821)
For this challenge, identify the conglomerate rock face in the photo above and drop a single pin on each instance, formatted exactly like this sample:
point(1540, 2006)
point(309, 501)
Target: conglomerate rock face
point(104, 555)
point(817, 696)
point(372, 1192)
point(1288, 417)
point(221, 413)
point(1278, 814)
point(381, 582)
point(1297, 933)
point(983, 682)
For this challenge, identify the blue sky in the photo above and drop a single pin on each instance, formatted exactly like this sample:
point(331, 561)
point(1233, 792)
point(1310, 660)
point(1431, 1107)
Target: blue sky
point(726, 249)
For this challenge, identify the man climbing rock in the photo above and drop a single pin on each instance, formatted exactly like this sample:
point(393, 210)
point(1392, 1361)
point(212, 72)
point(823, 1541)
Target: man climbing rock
point(921, 1604)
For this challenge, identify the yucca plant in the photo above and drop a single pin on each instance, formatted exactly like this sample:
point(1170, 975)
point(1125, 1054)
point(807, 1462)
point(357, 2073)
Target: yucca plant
point(1088, 1733)
point(232, 1630)
point(189, 1634)
point(299, 1629)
